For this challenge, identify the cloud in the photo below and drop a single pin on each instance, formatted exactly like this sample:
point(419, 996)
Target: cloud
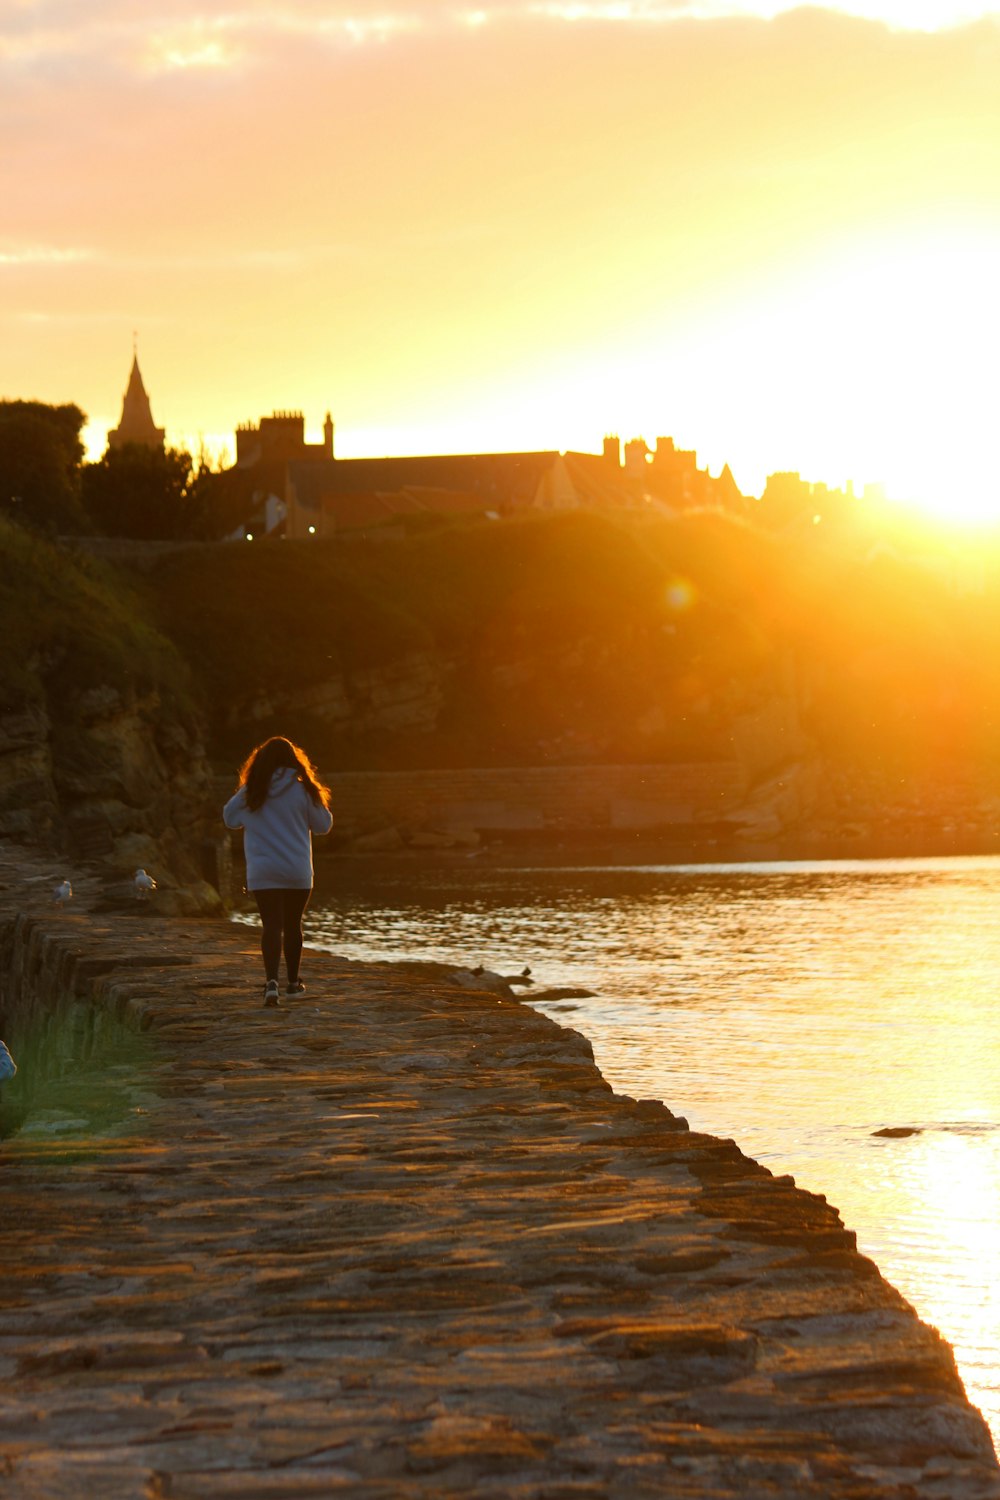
point(36, 256)
point(455, 187)
point(258, 127)
point(184, 36)
point(244, 39)
point(190, 35)
point(252, 258)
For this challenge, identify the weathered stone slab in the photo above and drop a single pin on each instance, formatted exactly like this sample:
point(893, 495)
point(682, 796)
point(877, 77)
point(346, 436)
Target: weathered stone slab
point(400, 1239)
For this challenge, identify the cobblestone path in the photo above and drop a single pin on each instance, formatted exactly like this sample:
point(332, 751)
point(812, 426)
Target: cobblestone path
point(400, 1239)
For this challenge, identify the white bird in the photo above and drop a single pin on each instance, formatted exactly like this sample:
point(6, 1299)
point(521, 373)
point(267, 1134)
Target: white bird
point(63, 892)
point(143, 885)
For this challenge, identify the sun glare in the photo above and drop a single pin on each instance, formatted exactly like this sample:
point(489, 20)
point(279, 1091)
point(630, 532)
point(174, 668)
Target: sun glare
point(918, 15)
point(870, 365)
point(952, 1171)
point(873, 364)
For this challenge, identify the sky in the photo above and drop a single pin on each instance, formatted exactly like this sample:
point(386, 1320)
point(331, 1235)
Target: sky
point(772, 233)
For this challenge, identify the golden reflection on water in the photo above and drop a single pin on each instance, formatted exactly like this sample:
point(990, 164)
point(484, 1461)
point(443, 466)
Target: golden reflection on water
point(797, 1008)
point(941, 1245)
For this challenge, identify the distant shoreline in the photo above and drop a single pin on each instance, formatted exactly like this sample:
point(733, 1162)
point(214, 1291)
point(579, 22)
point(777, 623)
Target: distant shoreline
point(514, 853)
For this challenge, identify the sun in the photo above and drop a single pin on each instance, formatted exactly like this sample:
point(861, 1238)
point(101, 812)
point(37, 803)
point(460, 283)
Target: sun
point(927, 316)
point(869, 360)
point(874, 362)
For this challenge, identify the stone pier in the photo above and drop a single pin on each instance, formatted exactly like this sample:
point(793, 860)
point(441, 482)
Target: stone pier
point(399, 1238)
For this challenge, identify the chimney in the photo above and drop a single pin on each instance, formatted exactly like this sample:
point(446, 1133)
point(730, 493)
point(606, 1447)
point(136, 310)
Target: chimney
point(636, 452)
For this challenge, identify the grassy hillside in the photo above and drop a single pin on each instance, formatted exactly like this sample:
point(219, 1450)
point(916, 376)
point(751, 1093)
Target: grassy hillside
point(249, 616)
point(561, 637)
point(539, 639)
point(69, 624)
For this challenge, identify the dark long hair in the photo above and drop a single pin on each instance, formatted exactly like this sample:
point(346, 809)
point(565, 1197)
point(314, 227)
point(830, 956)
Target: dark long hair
point(261, 764)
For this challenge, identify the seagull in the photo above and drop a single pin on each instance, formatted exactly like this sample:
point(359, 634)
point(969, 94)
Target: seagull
point(143, 885)
point(62, 893)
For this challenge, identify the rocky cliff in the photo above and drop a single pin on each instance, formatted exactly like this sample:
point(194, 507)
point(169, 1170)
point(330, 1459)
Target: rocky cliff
point(122, 785)
point(542, 641)
point(102, 755)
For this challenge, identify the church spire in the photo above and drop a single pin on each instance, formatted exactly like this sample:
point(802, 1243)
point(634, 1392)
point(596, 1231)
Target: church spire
point(136, 425)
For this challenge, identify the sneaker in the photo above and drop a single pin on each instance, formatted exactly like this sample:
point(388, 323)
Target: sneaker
point(271, 993)
point(298, 988)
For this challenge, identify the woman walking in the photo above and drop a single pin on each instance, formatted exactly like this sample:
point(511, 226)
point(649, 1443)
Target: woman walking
point(280, 803)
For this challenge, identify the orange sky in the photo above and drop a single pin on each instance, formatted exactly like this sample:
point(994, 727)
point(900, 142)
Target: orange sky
point(771, 233)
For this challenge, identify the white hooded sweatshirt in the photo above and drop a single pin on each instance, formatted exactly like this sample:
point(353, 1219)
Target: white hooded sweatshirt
point(277, 837)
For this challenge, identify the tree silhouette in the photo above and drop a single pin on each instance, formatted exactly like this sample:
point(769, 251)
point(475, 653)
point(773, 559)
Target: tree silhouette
point(40, 456)
point(146, 493)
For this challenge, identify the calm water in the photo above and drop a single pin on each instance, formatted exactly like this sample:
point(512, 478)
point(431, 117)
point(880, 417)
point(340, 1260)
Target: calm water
point(795, 1007)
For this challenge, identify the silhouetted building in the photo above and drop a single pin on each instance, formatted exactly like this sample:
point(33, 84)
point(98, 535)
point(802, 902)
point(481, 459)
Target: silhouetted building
point(727, 492)
point(265, 453)
point(677, 478)
point(280, 437)
point(636, 457)
point(136, 425)
point(324, 498)
point(791, 503)
point(593, 481)
point(299, 489)
point(669, 477)
point(345, 493)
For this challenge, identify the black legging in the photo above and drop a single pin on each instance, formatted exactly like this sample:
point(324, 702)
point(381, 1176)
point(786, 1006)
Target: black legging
point(281, 926)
